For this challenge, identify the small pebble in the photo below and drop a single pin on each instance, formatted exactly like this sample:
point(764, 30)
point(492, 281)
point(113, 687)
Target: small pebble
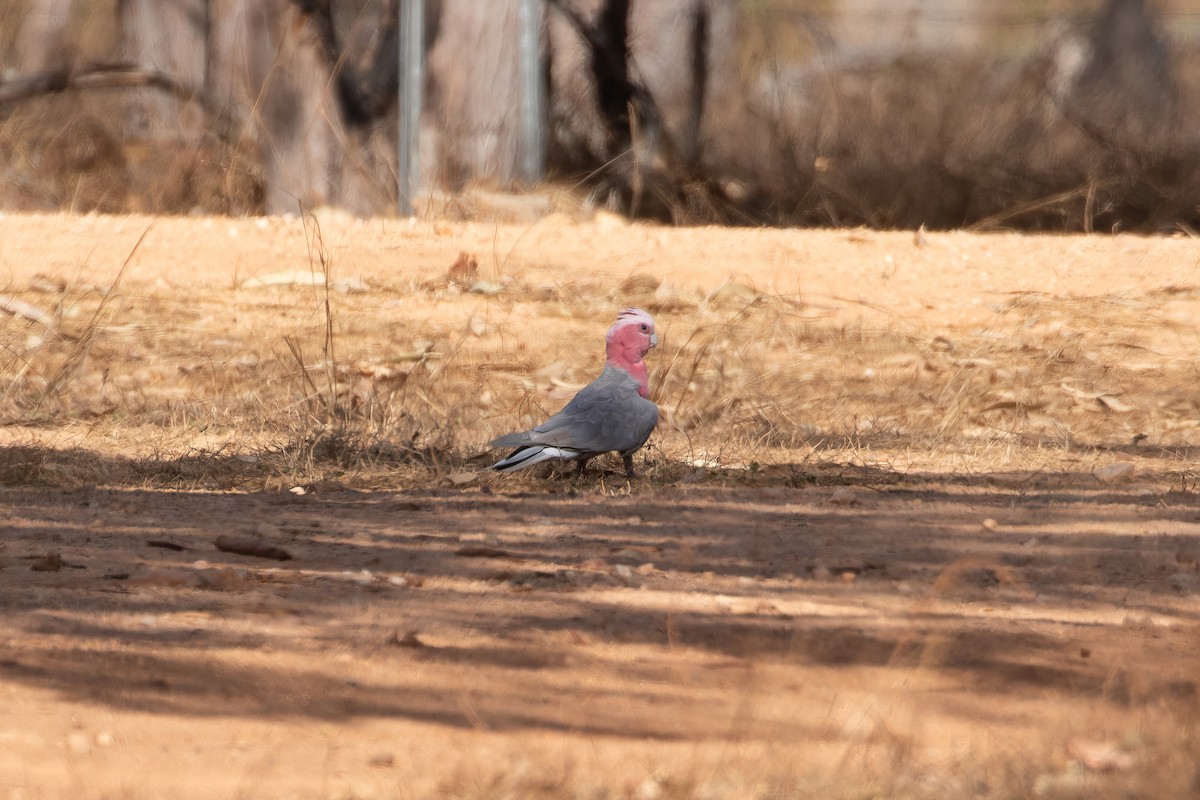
point(79, 743)
point(843, 496)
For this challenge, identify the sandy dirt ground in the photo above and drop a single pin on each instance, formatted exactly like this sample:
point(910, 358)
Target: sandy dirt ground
point(920, 520)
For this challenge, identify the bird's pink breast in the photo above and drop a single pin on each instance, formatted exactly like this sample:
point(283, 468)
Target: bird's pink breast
point(639, 372)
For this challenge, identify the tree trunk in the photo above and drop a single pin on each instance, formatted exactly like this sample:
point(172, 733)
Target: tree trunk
point(168, 36)
point(41, 44)
point(474, 102)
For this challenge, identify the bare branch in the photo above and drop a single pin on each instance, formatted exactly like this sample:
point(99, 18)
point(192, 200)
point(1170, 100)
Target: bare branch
point(101, 76)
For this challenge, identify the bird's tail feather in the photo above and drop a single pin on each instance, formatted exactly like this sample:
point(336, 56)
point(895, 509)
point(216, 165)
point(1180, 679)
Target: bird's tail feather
point(534, 454)
point(513, 440)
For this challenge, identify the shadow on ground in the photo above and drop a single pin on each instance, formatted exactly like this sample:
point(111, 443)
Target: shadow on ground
point(547, 597)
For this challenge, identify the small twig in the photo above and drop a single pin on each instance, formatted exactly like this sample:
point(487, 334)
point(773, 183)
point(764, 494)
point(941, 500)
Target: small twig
point(103, 76)
point(317, 243)
point(245, 546)
point(1033, 205)
point(294, 346)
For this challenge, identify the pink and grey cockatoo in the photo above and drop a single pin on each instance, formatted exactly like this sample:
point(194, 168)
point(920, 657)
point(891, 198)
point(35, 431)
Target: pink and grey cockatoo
point(612, 413)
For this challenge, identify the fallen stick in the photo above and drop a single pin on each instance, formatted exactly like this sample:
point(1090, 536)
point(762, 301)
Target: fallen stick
point(251, 547)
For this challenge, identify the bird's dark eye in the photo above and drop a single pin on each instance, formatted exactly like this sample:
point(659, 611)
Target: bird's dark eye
point(643, 327)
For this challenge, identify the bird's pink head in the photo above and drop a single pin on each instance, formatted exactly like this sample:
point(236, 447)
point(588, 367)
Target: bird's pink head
point(628, 341)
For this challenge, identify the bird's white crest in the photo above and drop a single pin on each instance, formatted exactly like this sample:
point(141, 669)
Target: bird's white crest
point(634, 313)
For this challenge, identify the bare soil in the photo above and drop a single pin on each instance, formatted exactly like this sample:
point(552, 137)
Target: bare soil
point(920, 519)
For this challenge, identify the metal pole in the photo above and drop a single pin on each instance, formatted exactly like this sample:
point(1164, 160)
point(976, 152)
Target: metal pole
point(412, 64)
point(529, 35)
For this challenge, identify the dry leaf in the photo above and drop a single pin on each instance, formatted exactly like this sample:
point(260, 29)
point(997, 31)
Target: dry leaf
point(1008, 402)
point(734, 294)
point(306, 277)
point(570, 386)
point(640, 283)
point(552, 371)
point(1112, 473)
point(1099, 756)
point(486, 288)
point(1078, 393)
point(380, 372)
point(409, 639)
point(19, 308)
point(49, 284)
point(1113, 404)
point(463, 270)
point(354, 285)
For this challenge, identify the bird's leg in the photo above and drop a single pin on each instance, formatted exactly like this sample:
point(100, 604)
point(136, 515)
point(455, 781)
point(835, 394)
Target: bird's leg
point(629, 466)
point(581, 464)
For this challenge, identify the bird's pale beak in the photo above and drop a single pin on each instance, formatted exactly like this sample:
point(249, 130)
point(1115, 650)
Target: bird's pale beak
point(654, 340)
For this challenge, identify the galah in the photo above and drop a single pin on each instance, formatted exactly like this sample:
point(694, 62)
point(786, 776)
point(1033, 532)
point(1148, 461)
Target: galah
point(612, 413)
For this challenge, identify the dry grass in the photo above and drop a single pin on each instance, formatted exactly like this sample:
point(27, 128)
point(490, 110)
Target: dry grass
point(327, 375)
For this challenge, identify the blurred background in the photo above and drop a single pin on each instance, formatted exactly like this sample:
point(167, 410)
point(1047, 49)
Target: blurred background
point(1076, 115)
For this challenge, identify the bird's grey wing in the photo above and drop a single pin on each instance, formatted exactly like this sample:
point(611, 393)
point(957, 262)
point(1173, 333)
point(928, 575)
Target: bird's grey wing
point(637, 425)
point(607, 414)
point(610, 417)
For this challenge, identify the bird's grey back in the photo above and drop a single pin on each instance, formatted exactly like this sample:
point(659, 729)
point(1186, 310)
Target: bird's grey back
point(607, 414)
